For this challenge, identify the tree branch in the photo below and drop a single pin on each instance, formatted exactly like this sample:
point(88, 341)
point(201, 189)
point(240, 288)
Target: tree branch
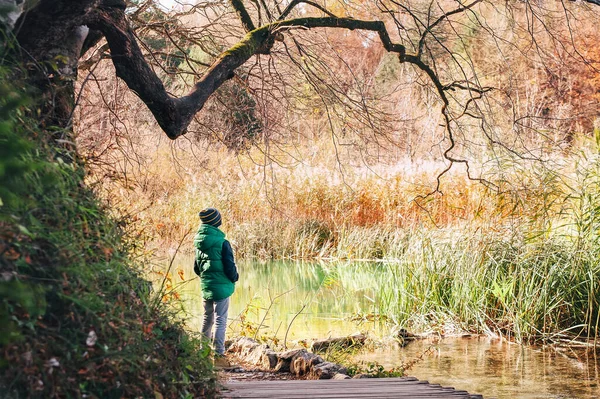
point(441, 89)
point(175, 114)
point(441, 19)
point(266, 9)
point(344, 23)
point(294, 3)
point(241, 11)
point(131, 66)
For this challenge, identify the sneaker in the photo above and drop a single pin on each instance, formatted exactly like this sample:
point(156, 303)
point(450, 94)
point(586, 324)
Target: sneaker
point(221, 363)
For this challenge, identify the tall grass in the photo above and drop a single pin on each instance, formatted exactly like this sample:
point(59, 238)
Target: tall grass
point(305, 212)
point(509, 286)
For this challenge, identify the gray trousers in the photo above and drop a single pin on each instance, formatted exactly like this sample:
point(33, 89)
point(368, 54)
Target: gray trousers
point(221, 308)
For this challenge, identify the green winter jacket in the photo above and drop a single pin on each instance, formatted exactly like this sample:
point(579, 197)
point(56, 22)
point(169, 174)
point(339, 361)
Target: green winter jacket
point(209, 243)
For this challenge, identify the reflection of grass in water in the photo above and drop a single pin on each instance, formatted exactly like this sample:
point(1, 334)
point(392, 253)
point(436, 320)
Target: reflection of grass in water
point(278, 291)
point(270, 295)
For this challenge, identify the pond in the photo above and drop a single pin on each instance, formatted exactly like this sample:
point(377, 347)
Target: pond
point(497, 369)
point(295, 301)
point(302, 300)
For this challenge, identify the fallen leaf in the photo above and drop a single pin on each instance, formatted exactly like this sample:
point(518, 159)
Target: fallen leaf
point(91, 338)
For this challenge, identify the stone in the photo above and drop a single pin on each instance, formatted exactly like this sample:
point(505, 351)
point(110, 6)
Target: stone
point(326, 371)
point(288, 355)
point(254, 353)
point(340, 376)
point(303, 362)
point(285, 359)
point(263, 357)
point(404, 337)
point(243, 346)
point(338, 343)
point(299, 361)
point(271, 359)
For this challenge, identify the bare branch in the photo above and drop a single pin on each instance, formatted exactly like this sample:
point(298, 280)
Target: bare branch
point(264, 5)
point(294, 3)
point(344, 23)
point(440, 20)
point(240, 9)
point(175, 114)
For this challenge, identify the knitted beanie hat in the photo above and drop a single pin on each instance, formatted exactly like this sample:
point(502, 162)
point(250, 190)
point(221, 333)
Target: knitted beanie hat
point(210, 216)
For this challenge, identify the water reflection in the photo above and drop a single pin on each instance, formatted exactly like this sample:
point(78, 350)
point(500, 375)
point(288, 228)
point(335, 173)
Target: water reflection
point(498, 369)
point(304, 300)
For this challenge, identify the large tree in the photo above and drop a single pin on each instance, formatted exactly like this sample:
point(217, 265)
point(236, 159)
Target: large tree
point(54, 35)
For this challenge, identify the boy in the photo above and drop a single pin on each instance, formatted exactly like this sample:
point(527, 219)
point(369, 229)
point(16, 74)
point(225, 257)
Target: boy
point(216, 267)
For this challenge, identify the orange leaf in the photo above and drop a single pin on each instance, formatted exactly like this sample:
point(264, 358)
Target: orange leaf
point(148, 328)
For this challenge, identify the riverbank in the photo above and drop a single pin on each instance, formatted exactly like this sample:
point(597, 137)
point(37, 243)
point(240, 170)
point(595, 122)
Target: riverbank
point(248, 357)
point(488, 366)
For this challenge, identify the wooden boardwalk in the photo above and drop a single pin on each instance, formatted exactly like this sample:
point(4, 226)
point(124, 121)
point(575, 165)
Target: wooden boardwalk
point(381, 388)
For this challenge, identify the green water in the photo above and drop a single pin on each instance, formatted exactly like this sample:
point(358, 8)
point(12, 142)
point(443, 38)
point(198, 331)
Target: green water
point(302, 300)
point(311, 300)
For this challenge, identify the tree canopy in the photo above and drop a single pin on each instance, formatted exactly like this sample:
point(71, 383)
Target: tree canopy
point(437, 38)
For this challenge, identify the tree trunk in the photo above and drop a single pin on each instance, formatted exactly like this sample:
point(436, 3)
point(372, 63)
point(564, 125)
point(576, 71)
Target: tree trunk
point(51, 36)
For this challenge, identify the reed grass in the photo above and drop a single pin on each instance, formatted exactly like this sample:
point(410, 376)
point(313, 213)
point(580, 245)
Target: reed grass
point(520, 289)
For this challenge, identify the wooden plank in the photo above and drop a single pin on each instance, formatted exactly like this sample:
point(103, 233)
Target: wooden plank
point(342, 389)
point(345, 395)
